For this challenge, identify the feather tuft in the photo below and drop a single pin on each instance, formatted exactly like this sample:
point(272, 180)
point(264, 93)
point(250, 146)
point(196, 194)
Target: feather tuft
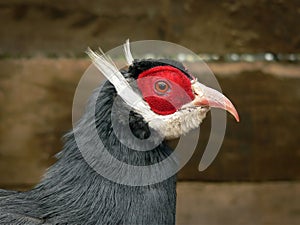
point(127, 52)
point(107, 67)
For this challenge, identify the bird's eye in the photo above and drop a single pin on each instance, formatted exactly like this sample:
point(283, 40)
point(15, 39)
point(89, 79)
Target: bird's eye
point(161, 87)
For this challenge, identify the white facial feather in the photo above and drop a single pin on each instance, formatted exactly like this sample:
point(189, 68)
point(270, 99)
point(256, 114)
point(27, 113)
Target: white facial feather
point(179, 123)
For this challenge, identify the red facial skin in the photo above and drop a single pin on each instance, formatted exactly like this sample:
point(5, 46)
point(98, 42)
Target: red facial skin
point(165, 88)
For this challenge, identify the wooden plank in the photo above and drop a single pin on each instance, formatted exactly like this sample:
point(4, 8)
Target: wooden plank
point(58, 28)
point(36, 99)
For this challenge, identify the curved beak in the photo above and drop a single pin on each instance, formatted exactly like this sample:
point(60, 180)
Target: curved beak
point(205, 96)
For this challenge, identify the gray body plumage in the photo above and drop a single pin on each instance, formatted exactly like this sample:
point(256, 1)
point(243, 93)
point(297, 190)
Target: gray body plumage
point(71, 192)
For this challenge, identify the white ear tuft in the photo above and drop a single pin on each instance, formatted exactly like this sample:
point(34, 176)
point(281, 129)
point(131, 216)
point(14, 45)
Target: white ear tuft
point(124, 90)
point(108, 69)
point(127, 51)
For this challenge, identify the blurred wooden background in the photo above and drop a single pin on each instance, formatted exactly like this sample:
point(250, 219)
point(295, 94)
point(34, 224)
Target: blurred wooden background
point(58, 28)
point(42, 46)
point(37, 94)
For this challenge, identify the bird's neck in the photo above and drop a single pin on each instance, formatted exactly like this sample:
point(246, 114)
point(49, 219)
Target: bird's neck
point(75, 188)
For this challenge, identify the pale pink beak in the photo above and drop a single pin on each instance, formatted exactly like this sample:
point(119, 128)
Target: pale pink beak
point(205, 96)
